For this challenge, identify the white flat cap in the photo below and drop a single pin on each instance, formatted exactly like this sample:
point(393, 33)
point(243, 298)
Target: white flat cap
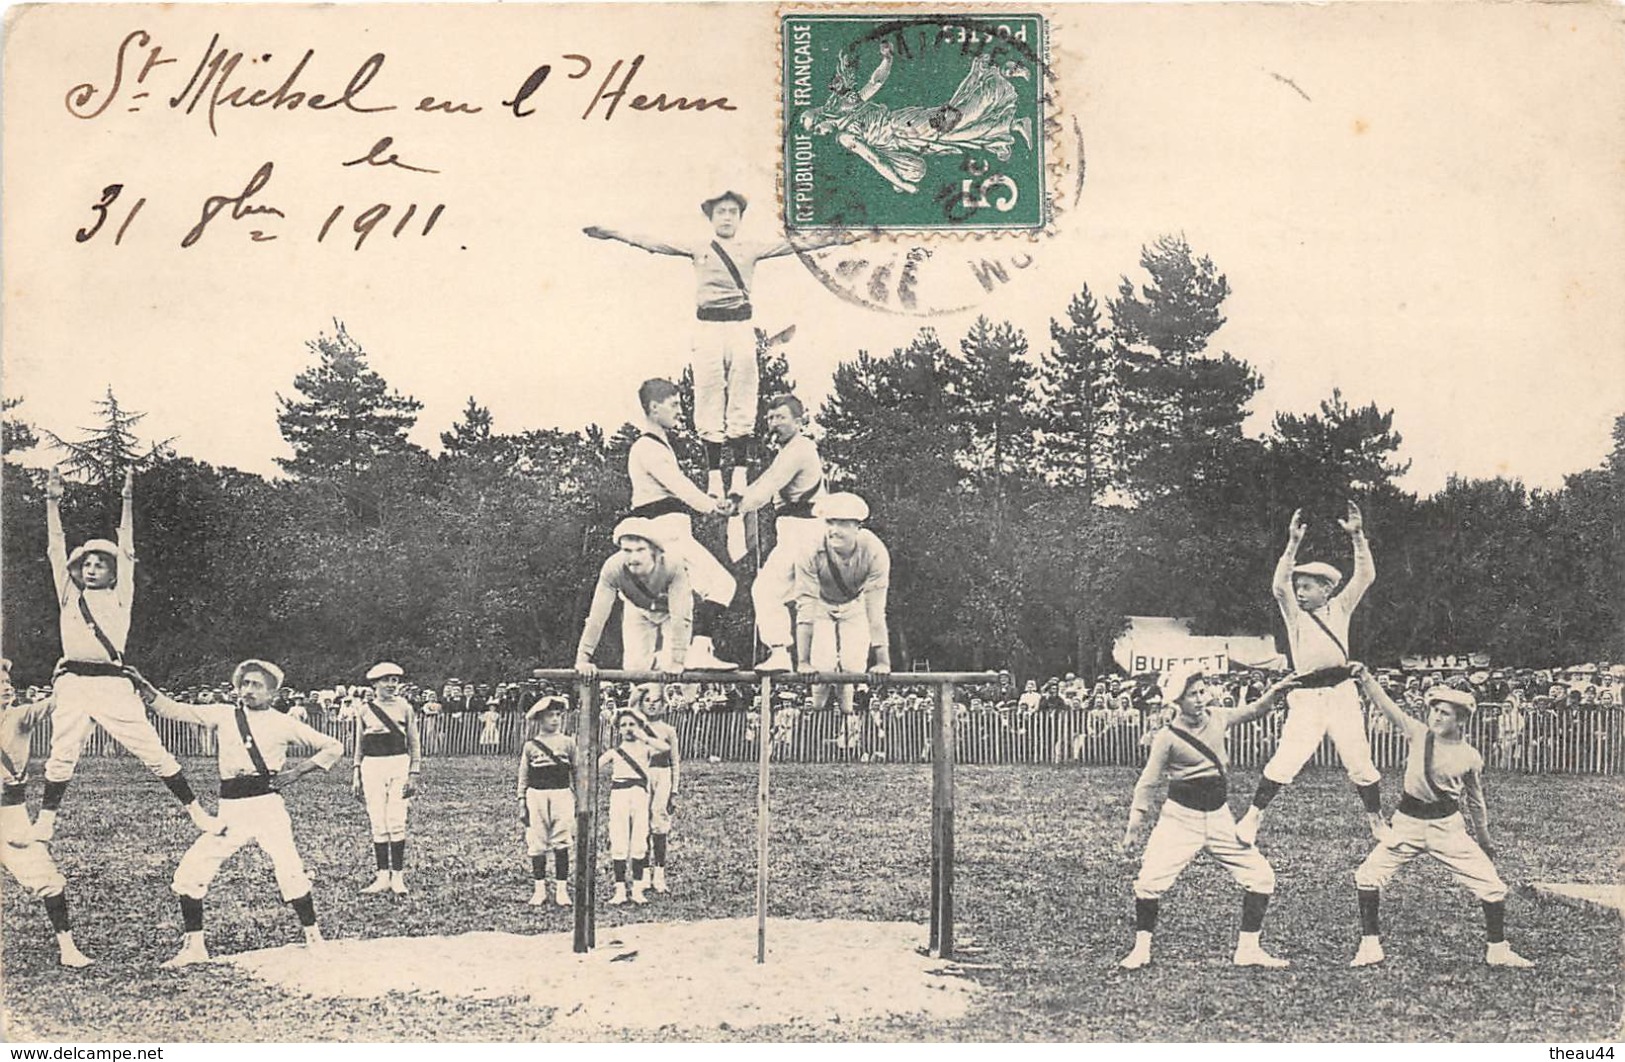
point(639, 527)
point(547, 704)
point(95, 545)
point(1319, 570)
point(385, 670)
point(841, 506)
point(1451, 695)
point(1176, 680)
point(264, 667)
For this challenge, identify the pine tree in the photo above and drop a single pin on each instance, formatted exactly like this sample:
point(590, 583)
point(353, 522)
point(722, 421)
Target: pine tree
point(103, 453)
point(16, 434)
point(348, 418)
point(1179, 411)
point(471, 436)
point(994, 400)
point(1326, 458)
point(1078, 385)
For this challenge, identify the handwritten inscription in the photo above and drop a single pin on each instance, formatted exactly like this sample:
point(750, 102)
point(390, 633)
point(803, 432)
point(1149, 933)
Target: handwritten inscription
point(252, 203)
point(225, 78)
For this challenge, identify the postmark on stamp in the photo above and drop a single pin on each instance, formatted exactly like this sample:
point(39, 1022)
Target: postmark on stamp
point(920, 124)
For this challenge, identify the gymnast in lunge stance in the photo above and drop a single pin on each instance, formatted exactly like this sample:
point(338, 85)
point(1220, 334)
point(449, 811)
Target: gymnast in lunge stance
point(253, 741)
point(1443, 773)
point(1191, 750)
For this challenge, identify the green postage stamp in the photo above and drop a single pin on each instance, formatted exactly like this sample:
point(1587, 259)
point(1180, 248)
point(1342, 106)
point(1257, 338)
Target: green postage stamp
point(932, 123)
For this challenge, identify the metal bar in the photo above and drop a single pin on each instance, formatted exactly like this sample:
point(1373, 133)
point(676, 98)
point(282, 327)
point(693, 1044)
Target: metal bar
point(900, 678)
point(942, 820)
point(587, 742)
point(764, 748)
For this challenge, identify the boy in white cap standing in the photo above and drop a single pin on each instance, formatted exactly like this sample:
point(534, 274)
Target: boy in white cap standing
point(23, 854)
point(253, 741)
point(841, 586)
point(629, 801)
point(1442, 772)
point(388, 758)
point(657, 602)
point(95, 588)
point(663, 495)
point(547, 798)
point(1196, 817)
point(794, 481)
point(1324, 701)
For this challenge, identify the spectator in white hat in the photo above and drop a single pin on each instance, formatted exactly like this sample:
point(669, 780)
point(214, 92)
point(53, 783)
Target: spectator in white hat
point(841, 587)
point(388, 757)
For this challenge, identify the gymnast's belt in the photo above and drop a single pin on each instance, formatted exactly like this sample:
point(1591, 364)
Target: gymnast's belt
point(663, 507)
point(246, 785)
point(12, 795)
point(377, 744)
point(1427, 809)
point(548, 777)
point(1207, 793)
point(660, 759)
point(628, 783)
point(89, 669)
point(723, 313)
point(1324, 678)
point(801, 508)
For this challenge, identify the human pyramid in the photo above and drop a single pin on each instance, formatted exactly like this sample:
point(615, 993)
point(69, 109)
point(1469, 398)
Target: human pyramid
point(672, 591)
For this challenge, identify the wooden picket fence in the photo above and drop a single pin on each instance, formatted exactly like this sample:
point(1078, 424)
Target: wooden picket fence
point(1569, 741)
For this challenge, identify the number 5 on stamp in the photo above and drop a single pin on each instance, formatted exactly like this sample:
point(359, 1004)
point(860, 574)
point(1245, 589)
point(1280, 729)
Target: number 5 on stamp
point(929, 123)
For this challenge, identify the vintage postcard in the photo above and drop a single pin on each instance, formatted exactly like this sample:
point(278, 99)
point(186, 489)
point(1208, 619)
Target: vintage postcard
point(819, 522)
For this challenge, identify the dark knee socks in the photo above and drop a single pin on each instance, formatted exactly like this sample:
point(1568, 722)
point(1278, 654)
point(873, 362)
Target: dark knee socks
point(176, 783)
point(305, 907)
point(1265, 792)
point(1145, 915)
point(1370, 920)
point(1253, 906)
point(56, 908)
point(53, 795)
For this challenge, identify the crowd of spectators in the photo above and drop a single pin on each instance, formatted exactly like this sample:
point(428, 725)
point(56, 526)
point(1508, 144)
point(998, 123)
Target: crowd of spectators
point(1586, 686)
point(1515, 702)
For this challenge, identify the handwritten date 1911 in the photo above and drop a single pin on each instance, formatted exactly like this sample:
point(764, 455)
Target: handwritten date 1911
point(250, 203)
point(370, 218)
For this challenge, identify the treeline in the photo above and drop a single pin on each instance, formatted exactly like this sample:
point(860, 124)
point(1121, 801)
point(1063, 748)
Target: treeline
point(1031, 500)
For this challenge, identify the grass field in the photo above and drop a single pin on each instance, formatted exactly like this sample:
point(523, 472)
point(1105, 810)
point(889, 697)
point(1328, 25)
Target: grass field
point(1039, 887)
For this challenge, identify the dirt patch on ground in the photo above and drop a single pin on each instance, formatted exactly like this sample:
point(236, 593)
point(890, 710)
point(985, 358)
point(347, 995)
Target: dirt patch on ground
point(694, 976)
